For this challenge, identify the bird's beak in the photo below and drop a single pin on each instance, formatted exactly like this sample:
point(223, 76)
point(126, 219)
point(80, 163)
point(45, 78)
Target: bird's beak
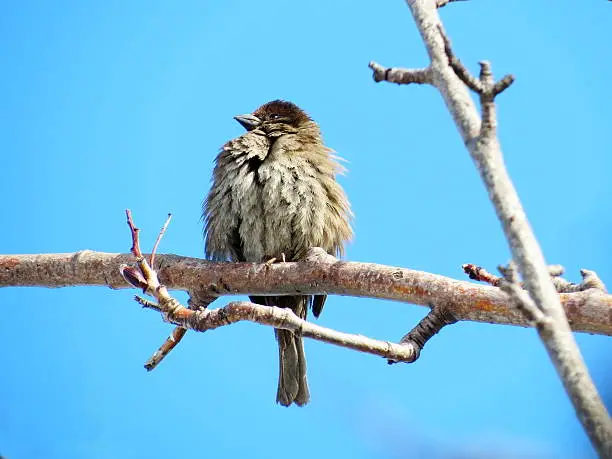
point(249, 122)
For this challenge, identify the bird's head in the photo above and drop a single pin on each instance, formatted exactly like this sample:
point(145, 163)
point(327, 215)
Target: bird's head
point(276, 118)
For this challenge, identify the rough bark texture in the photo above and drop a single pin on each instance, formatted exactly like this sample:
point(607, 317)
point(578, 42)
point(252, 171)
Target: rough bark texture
point(588, 311)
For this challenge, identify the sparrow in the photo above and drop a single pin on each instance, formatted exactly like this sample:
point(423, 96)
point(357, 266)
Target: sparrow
point(274, 195)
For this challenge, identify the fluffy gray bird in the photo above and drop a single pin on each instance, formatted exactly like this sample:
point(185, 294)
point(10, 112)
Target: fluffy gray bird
point(274, 195)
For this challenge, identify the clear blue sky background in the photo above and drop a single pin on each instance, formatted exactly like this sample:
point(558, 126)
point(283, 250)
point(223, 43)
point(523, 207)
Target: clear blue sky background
point(109, 105)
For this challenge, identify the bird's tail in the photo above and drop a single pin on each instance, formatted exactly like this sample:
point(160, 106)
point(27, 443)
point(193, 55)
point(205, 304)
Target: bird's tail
point(292, 382)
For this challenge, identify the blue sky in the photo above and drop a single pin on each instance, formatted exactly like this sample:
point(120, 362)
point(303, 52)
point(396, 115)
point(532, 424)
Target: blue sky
point(113, 105)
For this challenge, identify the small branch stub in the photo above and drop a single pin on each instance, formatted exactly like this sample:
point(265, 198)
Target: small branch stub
point(399, 75)
point(443, 3)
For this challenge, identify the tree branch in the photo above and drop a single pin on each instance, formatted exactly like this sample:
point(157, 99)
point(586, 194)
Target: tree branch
point(203, 319)
point(590, 279)
point(137, 279)
point(236, 311)
point(401, 76)
point(589, 311)
point(438, 318)
point(482, 143)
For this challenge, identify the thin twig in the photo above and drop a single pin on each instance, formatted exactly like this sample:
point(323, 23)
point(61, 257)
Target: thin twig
point(485, 86)
point(138, 279)
point(159, 238)
point(171, 342)
point(197, 301)
point(284, 318)
point(590, 279)
point(461, 70)
point(134, 231)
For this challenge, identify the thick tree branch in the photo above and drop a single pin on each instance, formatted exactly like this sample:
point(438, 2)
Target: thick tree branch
point(588, 311)
point(482, 143)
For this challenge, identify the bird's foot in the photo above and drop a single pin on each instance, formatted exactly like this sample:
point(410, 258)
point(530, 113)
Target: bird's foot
point(270, 262)
point(273, 260)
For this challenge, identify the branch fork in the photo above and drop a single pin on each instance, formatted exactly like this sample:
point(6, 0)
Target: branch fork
point(539, 302)
point(145, 278)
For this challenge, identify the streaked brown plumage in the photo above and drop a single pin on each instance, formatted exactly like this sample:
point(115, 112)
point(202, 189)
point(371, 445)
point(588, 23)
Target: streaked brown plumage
point(274, 194)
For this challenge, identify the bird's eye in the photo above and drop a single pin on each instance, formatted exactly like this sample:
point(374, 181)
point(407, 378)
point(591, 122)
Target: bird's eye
point(275, 116)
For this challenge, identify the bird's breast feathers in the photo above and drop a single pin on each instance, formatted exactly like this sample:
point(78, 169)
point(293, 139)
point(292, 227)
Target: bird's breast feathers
point(274, 203)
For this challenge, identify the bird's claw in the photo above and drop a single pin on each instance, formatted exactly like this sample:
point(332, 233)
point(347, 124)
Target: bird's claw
point(270, 262)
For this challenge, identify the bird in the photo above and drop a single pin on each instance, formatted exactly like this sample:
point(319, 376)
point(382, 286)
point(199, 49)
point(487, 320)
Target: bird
point(274, 195)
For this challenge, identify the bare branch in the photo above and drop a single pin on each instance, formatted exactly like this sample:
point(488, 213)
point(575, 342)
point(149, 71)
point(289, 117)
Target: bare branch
point(461, 70)
point(179, 332)
point(135, 240)
point(485, 86)
point(284, 318)
point(478, 273)
point(481, 141)
point(196, 302)
point(203, 319)
point(171, 342)
point(590, 278)
point(186, 318)
point(588, 311)
point(400, 76)
point(158, 240)
point(438, 318)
